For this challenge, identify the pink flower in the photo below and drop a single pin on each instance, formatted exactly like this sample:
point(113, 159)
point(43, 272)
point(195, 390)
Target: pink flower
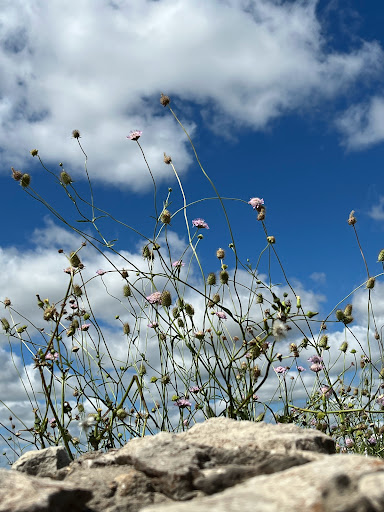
point(154, 298)
point(256, 202)
point(380, 400)
point(316, 367)
point(326, 391)
point(152, 325)
point(183, 402)
point(52, 422)
point(200, 224)
point(349, 442)
point(68, 270)
point(194, 389)
point(281, 369)
point(52, 357)
point(178, 264)
point(134, 135)
point(300, 369)
point(85, 327)
point(315, 359)
point(221, 315)
point(101, 272)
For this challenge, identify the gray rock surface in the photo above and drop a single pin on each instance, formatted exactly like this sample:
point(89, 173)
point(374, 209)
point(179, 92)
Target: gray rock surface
point(218, 465)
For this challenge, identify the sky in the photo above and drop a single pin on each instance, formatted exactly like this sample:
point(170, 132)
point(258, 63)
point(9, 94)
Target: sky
point(283, 101)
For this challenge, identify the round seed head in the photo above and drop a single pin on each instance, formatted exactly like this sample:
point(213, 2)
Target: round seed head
point(126, 328)
point(370, 283)
point(16, 175)
point(166, 299)
point(164, 100)
point(224, 276)
point(211, 280)
point(220, 254)
point(127, 290)
point(25, 180)
point(76, 134)
point(165, 217)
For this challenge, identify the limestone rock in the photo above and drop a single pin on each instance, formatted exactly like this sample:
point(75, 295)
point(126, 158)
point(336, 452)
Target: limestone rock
point(218, 465)
point(43, 463)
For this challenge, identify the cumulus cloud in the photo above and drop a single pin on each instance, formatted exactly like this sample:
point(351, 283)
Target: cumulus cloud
point(101, 70)
point(362, 124)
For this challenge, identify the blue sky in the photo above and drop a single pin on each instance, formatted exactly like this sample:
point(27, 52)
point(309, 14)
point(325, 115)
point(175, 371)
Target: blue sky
point(284, 100)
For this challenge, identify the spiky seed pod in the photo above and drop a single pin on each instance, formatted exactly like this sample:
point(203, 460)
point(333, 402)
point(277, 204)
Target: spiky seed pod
point(381, 255)
point(65, 178)
point(323, 341)
point(126, 328)
point(76, 134)
point(180, 322)
point(164, 100)
point(16, 175)
point(25, 180)
point(344, 347)
point(175, 312)
point(124, 274)
point(340, 315)
point(211, 279)
point(180, 303)
point(127, 290)
point(165, 217)
point(34, 152)
point(189, 309)
point(216, 298)
point(74, 260)
point(166, 299)
point(370, 283)
point(167, 159)
point(77, 292)
point(224, 276)
point(348, 319)
point(5, 324)
point(220, 254)
point(142, 370)
point(75, 323)
point(259, 298)
point(348, 310)
point(352, 219)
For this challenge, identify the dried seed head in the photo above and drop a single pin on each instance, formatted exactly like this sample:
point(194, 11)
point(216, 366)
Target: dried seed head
point(74, 260)
point(256, 372)
point(16, 175)
point(167, 159)
point(261, 214)
point(165, 217)
point(126, 328)
point(348, 319)
point(180, 322)
point(175, 312)
point(348, 310)
point(216, 298)
point(166, 299)
point(164, 100)
point(127, 290)
point(142, 370)
point(77, 292)
point(76, 134)
point(124, 274)
point(352, 219)
point(370, 283)
point(49, 313)
point(34, 152)
point(381, 255)
point(65, 178)
point(211, 279)
point(5, 324)
point(220, 254)
point(146, 252)
point(340, 315)
point(25, 180)
point(189, 309)
point(224, 276)
point(7, 302)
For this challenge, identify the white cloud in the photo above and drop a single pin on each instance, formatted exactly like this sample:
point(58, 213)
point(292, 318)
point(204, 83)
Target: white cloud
point(318, 277)
point(363, 124)
point(99, 67)
point(377, 210)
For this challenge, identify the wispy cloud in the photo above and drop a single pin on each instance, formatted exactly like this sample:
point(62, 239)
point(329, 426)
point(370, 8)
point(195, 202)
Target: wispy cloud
point(377, 210)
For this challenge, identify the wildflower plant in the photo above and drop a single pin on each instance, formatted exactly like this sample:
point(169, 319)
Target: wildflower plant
point(189, 343)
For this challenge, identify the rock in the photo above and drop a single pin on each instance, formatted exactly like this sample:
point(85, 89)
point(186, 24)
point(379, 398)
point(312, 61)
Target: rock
point(220, 464)
point(43, 463)
point(23, 493)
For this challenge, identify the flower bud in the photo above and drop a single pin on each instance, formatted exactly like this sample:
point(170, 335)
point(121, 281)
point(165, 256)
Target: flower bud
point(180, 322)
point(126, 328)
point(142, 370)
point(348, 319)
point(16, 175)
point(25, 180)
point(370, 283)
point(165, 217)
point(121, 414)
point(340, 315)
point(74, 260)
point(348, 310)
point(76, 134)
point(211, 280)
point(189, 309)
point(127, 290)
point(311, 314)
point(344, 347)
point(34, 152)
point(216, 298)
point(323, 341)
point(220, 254)
point(77, 292)
point(224, 276)
point(124, 274)
point(175, 312)
point(166, 299)
point(5, 324)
